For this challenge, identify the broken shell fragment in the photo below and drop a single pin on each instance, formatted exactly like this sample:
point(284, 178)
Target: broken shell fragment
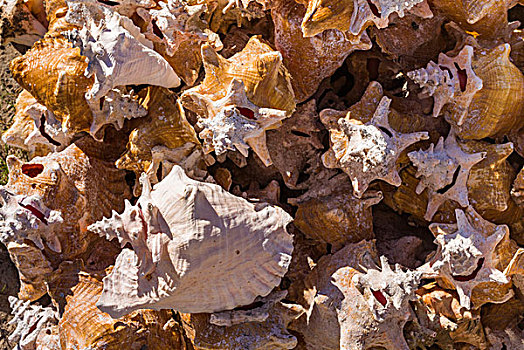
point(181, 231)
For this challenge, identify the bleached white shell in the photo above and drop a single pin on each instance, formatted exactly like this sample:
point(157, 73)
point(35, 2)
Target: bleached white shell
point(196, 248)
point(118, 53)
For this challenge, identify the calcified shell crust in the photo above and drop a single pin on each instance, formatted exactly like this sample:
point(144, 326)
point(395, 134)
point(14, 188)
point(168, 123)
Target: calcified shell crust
point(265, 175)
point(193, 233)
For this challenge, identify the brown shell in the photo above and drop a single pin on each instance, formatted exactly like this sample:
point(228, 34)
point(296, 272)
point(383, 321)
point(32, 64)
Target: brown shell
point(53, 72)
point(486, 17)
point(164, 136)
point(70, 184)
point(258, 66)
point(309, 60)
point(83, 325)
point(270, 334)
point(439, 312)
point(517, 190)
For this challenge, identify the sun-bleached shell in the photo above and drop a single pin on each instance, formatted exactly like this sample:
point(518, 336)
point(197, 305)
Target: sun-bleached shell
point(194, 229)
point(471, 258)
point(367, 152)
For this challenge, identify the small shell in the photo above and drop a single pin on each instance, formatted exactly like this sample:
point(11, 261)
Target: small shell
point(163, 139)
point(187, 247)
point(310, 60)
point(439, 312)
point(18, 24)
point(35, 128)
point(471, 258)
point(481, 92)
point(268, 334)
point(367, 152)
point(30, 321)
point(84, 326)
point(348, 309)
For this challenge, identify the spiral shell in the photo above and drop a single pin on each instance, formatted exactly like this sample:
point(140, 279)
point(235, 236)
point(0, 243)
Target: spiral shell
point(190, 226)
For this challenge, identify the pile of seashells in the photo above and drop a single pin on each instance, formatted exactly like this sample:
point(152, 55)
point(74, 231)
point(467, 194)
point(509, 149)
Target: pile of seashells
point(148, 222)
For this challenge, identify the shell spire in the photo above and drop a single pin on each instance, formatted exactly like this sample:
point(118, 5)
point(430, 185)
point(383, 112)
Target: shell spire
point(368, 152)
point(444, 171)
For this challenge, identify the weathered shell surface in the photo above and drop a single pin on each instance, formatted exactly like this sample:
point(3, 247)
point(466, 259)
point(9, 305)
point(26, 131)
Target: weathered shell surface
point(369, 151)
point(35, 128)
point(438, 311)
point(310, 60)
point(84, 326)
point(50, 201)
point(350, 309)
point(18, 24)
point(193, 233)
point(163, 139)
point(30, 321)
point(471, 258)
point(258, 331)
point(517, 190)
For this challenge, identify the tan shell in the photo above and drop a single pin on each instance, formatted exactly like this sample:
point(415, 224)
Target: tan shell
point(471, 258)
point(367, 151)
point(19, 24)
point(486, 17)
point(352, 309)
point(262, 328)
point(310, 60)
point(501, 324)
point(187, 247)
point(163, 139)
point(53, 72)
point(84, 326)
point(356, 15)
point(35, 128)
point(50, 201)
point(481, 91)
point(240, 98)
point(330, 213)
point(439, 312)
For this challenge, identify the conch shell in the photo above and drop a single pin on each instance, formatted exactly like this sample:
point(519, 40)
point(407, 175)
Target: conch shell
point(480, 92)
point(369, 151)
point(356, 15)
point(182, 234)
point(471, 258)
point(352, 309)
point(439, 312)
point(258, 329)
point(444, 171)
point(310, 59)
point(163, 139)
point(19, 23)
point(30, 321)
point(177, 29)
point(48, 204)
point(84, 326)
point(35, 128)
point(240, 98)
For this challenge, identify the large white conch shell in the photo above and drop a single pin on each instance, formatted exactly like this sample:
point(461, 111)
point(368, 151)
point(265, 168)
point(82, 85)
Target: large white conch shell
point(196, 248)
